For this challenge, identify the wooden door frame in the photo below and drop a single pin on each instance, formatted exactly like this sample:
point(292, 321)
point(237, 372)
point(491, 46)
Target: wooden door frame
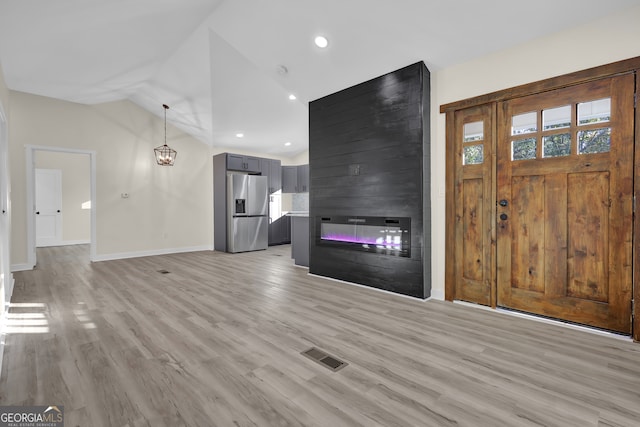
point(636, 224)
point(631, 65)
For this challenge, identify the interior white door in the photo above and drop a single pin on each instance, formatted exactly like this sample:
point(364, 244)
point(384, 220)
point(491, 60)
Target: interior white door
point(48, 207)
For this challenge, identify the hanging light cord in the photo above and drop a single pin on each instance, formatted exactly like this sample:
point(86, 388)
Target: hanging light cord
point(166, 107)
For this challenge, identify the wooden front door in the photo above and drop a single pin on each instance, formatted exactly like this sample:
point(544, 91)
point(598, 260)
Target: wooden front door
point(565, 203)
point(474, 204)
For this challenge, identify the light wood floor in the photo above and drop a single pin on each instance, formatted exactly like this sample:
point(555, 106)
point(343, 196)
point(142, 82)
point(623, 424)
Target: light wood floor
point(217, 342)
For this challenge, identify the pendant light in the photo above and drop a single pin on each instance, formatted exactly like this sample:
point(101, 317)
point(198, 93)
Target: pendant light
point(165, 155)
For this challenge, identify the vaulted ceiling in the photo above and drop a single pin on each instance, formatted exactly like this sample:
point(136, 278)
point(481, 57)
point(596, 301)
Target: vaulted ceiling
point(229, 66)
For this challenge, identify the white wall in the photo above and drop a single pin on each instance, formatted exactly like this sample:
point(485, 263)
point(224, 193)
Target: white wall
point(609, 39)
point(300, 159)
point(76, 190)
point(6, 278)
point(169, 208)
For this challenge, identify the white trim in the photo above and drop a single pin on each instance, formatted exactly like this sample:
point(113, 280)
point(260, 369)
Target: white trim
point(437, 294)
point(3, 336)
point(5, 204)
point(66, 243)
point(75, 242)
point(21, 267)
point(154, 252)
point(31, 220)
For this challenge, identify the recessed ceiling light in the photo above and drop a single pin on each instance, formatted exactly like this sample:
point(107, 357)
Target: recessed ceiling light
point(287, 144)
point(239, 135)
point(292, 97)
point(321, 42)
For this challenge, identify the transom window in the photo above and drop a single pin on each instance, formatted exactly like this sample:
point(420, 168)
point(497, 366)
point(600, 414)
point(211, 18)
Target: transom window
point(562, 131)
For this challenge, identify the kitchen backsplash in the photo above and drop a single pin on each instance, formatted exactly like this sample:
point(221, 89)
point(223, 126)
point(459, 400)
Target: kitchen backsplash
point(300, 202)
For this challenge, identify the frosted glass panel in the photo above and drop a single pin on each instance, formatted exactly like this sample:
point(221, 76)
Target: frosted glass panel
point(473, 131)
point(594, 111)
point(555, 118)
point(524, 123)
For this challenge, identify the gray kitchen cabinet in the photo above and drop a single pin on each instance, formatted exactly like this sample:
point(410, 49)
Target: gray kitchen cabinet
point(300, 240)
point(275, 175)
point(286, 232)
point(274, 233)
point(295, 179)
point(272, 169)
point(280, 231)
point(239, 162)
point(289, 179)
point(303, 179)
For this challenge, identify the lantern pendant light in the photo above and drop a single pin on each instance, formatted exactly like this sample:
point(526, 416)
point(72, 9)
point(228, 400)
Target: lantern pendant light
point(165, 155)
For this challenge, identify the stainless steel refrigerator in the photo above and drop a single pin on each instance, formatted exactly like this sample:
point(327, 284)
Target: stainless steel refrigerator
point(248, 215)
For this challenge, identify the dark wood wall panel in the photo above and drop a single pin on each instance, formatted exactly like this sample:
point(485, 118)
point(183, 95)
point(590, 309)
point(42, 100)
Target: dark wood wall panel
point(381, 128)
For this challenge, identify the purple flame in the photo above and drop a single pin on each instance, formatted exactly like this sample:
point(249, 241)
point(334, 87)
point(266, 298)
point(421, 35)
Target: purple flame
point(362, 240)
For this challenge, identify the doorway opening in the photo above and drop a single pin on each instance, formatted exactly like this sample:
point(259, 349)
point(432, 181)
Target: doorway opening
point(61, 192)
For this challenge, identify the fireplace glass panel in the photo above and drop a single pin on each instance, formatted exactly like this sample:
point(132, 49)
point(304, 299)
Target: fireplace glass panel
point(390, 236)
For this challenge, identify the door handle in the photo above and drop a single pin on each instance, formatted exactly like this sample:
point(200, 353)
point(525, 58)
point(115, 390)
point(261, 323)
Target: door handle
point(58, 211)
point(37, 212)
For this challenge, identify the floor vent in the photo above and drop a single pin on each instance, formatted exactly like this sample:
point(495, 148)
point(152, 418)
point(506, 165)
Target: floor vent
point(164, 271)
point(324, 359)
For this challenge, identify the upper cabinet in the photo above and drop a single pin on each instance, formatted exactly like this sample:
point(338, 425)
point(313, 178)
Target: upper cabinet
point(243, 163)
point(289, 179)
point(271, 168)
point(303, 179)
point(295, 179)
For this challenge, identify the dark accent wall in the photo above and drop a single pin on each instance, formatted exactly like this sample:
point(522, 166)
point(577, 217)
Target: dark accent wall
point(369, 156)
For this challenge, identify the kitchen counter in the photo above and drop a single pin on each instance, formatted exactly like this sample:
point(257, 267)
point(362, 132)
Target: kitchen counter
point(300, 238)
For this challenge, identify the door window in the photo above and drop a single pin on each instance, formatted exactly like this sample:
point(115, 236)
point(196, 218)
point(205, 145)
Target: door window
point(565, 130)
point(473, 153)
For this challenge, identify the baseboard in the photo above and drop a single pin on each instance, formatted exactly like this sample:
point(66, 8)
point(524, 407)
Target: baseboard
point(64, 243)
point(155, 252)
point(21, 267)
point(75, 242)
point(437, 294)
point(3, 321)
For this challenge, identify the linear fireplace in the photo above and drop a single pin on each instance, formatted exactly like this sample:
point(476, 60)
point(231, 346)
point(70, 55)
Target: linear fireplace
point(382, 235)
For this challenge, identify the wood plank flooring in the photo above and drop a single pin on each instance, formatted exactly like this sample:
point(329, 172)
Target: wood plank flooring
point(217, 342)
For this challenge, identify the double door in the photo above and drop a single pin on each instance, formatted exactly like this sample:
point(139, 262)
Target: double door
point(543, 202)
